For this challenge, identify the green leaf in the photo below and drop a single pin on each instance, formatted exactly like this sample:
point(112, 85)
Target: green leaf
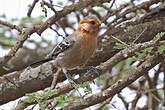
point(46, 95)
point(82, 85)
point(63, 99)
point(105, 108)
point(119, 46)
point(161, 49)
point(29, 100)
point(141, 55)
point(127, 71)
point(39, 97)
point(134, 58)
point(42, 106)
point(147, 65)
point(87, 91)
point(132, 44)
point(149, 49)
point(30, 94)
point(158, 36)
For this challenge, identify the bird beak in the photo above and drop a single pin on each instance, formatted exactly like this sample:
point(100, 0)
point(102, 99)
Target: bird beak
point(99, 23)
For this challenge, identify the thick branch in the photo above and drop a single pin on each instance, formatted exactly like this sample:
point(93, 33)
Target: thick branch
point(89, 76)
point(40, 28)
point(105, 48)
point(117, 87)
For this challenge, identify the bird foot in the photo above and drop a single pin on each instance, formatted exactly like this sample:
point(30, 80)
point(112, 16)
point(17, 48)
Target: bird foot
point(93, 69)
point(70, 79)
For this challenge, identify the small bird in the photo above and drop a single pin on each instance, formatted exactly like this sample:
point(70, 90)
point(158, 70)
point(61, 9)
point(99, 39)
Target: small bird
point(75, 50)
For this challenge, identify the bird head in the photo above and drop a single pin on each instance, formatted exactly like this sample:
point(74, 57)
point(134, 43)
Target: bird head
point(89, 25)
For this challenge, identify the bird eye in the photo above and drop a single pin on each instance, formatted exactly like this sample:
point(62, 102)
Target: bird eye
point(92, 22)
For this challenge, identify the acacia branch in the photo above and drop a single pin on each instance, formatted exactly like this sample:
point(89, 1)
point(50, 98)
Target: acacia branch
point(40, 28)
point(117, 87)
point(32, 7)
point(124, 54)
point(125, 34)
point(12, 26)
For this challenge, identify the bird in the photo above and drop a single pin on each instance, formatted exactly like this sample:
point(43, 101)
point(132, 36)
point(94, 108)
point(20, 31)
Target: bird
point(76, 49)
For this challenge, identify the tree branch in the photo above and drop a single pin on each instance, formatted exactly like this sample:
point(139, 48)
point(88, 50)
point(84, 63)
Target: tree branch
point(40, 28)
point(105, 48)
point(32, 7)
point(117, 87)
point(12, 26)
point(124, 54)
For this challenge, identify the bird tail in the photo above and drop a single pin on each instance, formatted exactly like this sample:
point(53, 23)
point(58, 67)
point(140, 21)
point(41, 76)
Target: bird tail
point(36, 64)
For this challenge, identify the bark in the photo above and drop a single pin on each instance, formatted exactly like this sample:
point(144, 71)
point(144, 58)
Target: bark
point(105, 48)
point(124, 54)
point(116, 88)
point(37, 80)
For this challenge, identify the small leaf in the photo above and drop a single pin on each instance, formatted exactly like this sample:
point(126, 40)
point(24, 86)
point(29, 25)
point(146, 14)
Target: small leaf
point(132, 44)
point(140, 55)
point(87, 91)
point(30, 94)
point(63, 99)
point(46, 95)
point(119, 46)
point(134, 58)
point(149, 49)
point(161, 49)
point(42, 106)
point(158, 36)
point(82, 85)
point(29, 100)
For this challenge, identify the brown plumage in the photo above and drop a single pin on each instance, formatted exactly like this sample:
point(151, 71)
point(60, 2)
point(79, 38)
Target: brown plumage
point(75, 50)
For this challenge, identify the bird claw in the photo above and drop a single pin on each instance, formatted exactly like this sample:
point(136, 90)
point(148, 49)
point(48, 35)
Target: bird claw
point(70, 79)
point(93, 69)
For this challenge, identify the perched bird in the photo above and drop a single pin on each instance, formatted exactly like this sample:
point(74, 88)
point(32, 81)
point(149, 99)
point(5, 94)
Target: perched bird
point(75, 50)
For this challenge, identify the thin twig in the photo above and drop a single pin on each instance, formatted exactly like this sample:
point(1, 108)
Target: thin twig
point(108, 64)
point(21, 39)
point(12, 26)
point(155, 97)
point(49, 5)
point(120, 41)
point(31, 8)
point(54, 82)
point(140, 35)
point(57, 32)
point(124, 101)
point(151, 90)
point(104, 103)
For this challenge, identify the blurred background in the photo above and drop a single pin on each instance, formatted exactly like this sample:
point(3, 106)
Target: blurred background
point(146, 93)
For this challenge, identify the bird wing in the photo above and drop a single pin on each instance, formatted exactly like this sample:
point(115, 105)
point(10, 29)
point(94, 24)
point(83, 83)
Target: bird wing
point(61, 47)
point(67, 43)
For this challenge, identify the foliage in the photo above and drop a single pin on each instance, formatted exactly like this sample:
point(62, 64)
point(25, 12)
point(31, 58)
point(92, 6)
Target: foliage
point(159, 36)
point(9, 37)
point(63, 100)
point(39, 97)
point(161, 49)
point(85, 86)
point(119, 46)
